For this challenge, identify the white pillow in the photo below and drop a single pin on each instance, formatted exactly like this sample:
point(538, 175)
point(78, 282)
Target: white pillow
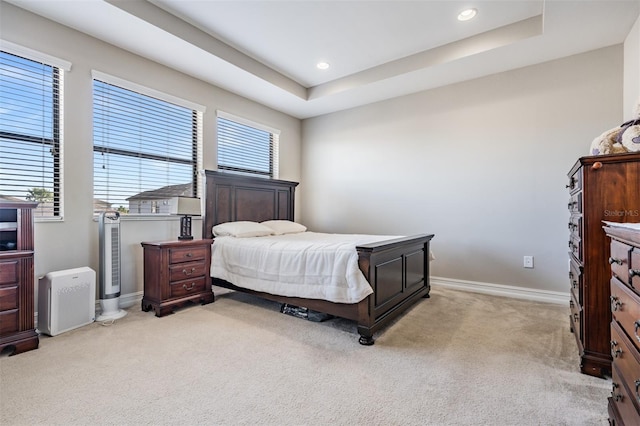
point(241, 229)
point(281, 227)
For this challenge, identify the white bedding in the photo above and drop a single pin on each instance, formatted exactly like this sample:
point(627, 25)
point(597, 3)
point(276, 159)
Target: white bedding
point(308, 264)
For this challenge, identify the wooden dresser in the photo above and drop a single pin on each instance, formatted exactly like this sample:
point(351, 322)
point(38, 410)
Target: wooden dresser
point(17, 322)
point(605, 187)
point(176, 272)
point(624, 403)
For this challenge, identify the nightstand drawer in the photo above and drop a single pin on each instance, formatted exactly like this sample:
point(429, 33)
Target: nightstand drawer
point(188, 287)
point(9, 272)
point(186, 271)
point(8, 298)
point(187, 254)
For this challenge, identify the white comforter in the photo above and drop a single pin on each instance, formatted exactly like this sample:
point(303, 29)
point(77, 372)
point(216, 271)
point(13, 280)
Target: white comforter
point(308, 264)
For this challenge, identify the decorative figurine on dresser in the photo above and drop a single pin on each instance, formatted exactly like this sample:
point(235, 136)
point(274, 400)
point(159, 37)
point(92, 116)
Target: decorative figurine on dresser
point(602, 188)
point(17, 322)
point(624, 403)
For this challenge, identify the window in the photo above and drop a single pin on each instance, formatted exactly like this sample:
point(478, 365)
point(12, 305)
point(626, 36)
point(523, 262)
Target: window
point(30, 130)
point(246, 147)
point(145, 150)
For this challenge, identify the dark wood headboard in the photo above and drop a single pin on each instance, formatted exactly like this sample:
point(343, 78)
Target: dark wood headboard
point(230, 197)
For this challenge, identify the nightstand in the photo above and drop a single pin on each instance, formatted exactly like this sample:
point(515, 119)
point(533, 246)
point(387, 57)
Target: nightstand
point(176, 273)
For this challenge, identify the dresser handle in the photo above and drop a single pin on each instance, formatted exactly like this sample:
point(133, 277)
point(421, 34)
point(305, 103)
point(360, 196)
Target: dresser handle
point(571, 304)
point(184, 271)
point(189, 288)
point(188, 254)
point(636, 326)
point(615, 303)
point(615, 397)
point(615, 352)
point(637, 383)
point(576, 318)
point(575, 284)
point(634, 273)
point(616, 261)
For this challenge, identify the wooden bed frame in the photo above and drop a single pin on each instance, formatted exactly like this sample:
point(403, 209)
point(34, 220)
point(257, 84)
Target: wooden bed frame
point(397, 270)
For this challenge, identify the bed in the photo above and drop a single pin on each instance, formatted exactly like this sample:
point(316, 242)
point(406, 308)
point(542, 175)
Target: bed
point(397, 269)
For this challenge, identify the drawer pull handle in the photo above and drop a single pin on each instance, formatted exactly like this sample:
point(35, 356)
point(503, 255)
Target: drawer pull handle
point(184, 271)
point(615, 303)
point(576, 318)
point(616, 397)
point(575, 284)
point(636, 326)
point(571, 304)
point(634, 273)
point(188, 254)
point(190, 287)
point(615, 352)
point(616, 261)
point(637, 383)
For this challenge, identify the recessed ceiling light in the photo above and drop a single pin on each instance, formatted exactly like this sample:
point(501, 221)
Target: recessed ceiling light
point(322, 65)
point(467, 14)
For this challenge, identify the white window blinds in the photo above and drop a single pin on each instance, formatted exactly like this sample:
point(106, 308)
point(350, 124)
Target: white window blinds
point(247, 148)
point(146, 150)
point(30, 129)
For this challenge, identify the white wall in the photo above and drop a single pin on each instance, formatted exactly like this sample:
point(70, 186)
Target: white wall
point(73, 242)
point(482, 164)
point(631, 97)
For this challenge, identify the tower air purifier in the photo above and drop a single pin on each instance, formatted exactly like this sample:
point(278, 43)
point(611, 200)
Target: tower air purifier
point(109, 277)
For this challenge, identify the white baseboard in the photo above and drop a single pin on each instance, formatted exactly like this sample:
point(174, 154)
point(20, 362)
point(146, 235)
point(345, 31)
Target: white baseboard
point(126, 300)
point(503, 290)
point(130, 299)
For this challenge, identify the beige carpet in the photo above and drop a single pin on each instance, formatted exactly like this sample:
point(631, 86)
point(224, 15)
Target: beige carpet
point(455, 359)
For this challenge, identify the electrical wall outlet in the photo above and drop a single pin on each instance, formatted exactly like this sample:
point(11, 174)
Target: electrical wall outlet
point(528, 261)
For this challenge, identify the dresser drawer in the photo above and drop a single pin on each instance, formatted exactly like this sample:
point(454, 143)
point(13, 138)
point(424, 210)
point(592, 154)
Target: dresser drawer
point(575, 281)
point(575, 203)
point(575, 226)
point(188, 287)
point(575, 181)
point(9, 272)
point(625, 309)
point(575, 247)
point(576, 317)
point(619, 260)
point(627, 361)
point(8, 321)
point(634, 269)
point(187, 254)
point(621, 398)
point(185, 271)
point(8, 298)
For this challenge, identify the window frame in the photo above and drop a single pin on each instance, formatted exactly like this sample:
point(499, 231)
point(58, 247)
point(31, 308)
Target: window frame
point(274, 146)
point(59, 66)
point(196, 161)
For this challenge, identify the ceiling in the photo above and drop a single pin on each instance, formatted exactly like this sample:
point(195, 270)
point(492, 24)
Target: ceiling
point(267, 50)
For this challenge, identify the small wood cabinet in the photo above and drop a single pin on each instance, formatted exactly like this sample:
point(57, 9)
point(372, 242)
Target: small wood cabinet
point(624, 403)
point(604, 187)
point(176, 273)
point(17, 324)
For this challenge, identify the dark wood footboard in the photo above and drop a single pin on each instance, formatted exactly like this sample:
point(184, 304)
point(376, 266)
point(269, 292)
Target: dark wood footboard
point(398, 272)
